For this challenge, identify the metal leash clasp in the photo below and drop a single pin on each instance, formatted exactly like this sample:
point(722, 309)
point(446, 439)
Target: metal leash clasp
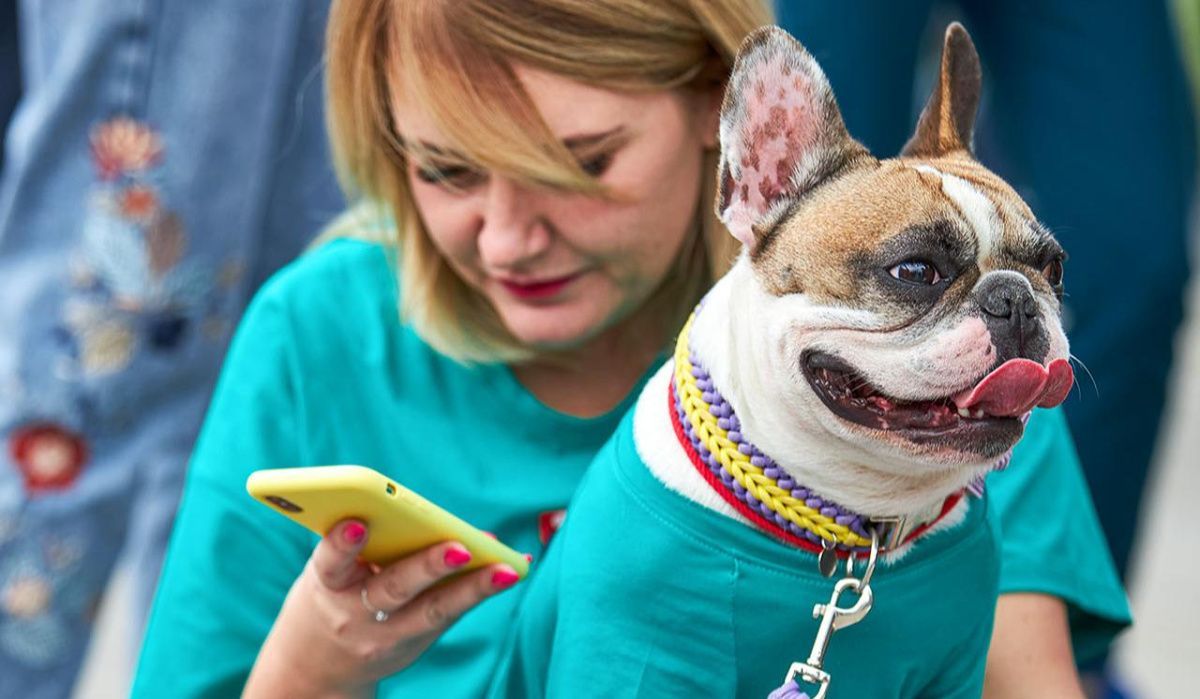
point(834, 618)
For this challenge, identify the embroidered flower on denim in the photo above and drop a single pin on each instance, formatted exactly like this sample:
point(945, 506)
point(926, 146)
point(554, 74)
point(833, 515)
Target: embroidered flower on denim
point(49, 456)
point(33, 625)
point(135, 286)
point(124, 146)
point(26, 597)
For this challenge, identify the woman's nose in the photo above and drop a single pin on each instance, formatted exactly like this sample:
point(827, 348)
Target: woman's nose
point(513, 230)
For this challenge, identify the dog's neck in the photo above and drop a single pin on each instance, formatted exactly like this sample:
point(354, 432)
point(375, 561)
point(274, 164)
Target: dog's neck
point(724, 337)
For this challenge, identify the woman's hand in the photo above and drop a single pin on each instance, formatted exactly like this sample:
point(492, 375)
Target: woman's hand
point(347, 624)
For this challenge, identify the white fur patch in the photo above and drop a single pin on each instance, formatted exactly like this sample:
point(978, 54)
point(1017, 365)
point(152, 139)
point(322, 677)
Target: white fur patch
point(659, 447)
point(979, 211)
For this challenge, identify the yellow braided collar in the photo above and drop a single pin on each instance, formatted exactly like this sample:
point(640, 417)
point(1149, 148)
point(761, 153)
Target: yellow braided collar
point(738, 465)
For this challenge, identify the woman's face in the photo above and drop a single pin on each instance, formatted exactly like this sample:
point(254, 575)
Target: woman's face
point(561, 267)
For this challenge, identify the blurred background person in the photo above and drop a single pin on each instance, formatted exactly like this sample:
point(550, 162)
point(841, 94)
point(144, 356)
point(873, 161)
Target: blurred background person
point(163, 159)
point(10, 72)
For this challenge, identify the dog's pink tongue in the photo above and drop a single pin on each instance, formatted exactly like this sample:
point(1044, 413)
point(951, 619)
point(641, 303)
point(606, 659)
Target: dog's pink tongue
point(1014, 387)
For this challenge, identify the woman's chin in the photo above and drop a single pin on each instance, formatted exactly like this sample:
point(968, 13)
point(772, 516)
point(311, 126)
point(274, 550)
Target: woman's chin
point(553, 339)
point(558, 329)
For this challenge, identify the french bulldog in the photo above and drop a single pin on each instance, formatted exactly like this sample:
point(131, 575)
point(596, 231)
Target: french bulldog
point(874, 351)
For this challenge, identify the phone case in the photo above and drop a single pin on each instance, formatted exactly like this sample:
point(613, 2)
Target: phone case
point(399, 521)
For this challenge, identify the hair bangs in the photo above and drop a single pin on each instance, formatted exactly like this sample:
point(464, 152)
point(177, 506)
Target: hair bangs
point(438, 64)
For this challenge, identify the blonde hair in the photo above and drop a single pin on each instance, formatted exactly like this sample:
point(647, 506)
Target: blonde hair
point(454, 58)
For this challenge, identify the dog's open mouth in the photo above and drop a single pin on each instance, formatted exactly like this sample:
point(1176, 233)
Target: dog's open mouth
point(996, 402)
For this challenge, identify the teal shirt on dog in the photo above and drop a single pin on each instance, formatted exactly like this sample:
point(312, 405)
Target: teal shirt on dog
point(646, 593)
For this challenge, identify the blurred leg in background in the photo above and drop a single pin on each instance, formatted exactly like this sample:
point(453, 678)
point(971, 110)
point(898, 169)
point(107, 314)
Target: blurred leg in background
point(10, 67)
point(165, 157)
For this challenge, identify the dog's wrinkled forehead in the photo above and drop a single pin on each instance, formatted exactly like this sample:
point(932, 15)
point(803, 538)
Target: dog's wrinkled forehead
point(873, 215)
point(812, 206)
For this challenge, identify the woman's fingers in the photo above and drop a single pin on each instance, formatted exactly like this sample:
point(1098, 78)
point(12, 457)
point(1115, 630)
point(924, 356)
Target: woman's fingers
point(400, 583)
point(336, 556)
point(437, 608)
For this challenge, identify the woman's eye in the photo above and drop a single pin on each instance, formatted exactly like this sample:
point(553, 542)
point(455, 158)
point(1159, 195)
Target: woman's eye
point(456, 176)
point(1053, 272)
point(597, 165)
point(916, 272)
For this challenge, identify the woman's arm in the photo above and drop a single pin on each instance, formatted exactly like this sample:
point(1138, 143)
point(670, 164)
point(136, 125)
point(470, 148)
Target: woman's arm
point(1060, 597)
point(1031, 653)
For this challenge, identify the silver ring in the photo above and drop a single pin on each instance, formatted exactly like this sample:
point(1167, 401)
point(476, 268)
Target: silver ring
point(866, 578)
point(379, 614)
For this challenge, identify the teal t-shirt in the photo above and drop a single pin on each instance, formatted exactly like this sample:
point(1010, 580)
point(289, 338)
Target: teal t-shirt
point(648, 594)
point(322, 371)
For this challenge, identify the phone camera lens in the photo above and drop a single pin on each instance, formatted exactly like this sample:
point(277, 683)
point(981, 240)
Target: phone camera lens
point(391, 489)
point(283, 503)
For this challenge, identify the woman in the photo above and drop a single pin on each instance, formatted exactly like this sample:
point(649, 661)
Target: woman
point(548, 167)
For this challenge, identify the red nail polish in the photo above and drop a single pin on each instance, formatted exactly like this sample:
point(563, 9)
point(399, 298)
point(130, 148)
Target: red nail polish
point(456, 556)
point(354, 533)
point(529, 558)
point(504, 579)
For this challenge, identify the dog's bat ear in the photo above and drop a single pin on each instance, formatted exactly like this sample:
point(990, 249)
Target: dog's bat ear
point(948, 120)
point(781, 133)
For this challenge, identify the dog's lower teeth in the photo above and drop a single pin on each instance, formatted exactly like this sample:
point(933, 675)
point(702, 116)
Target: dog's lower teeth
point(964, 412)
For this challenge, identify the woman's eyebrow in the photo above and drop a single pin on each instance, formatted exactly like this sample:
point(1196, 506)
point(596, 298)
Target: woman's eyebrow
point(593, 141)
point(614, 135)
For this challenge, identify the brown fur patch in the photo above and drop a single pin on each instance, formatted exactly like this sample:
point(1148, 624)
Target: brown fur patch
point(813, 250)
point(842, 219)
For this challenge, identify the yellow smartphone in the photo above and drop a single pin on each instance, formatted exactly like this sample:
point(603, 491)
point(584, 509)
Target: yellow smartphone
point(399, 521)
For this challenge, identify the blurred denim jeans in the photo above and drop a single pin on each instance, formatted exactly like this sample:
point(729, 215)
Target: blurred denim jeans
point(165, 157)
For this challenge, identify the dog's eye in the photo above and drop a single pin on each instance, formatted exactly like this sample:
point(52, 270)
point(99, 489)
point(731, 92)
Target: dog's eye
point(1053, 272)
point(916, 272)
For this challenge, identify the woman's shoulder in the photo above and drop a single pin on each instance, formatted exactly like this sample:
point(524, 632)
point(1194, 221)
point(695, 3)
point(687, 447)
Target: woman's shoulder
point(349, 266)
point(339, 294)
point(351, 255)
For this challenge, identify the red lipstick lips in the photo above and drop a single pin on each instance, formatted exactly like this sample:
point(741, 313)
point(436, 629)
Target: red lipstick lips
point(543, 289)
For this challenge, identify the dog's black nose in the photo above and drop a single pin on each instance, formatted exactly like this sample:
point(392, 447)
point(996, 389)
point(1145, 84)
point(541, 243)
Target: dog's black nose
point(1012, 316)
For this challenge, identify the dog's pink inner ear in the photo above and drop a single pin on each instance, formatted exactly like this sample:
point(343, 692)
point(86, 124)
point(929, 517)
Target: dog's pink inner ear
point(778, 126)
point(781, 132)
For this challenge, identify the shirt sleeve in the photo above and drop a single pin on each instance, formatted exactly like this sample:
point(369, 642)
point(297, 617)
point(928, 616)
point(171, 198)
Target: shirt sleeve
point(1050, 537)
point(231, 561)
